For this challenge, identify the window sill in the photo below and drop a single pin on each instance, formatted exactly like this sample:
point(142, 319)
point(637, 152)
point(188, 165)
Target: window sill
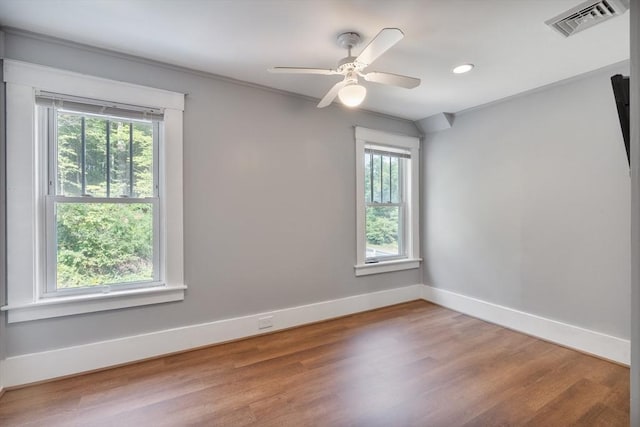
point(66, 306)
point(387, 266)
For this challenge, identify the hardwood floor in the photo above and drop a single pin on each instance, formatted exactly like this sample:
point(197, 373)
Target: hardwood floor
point(414, 364)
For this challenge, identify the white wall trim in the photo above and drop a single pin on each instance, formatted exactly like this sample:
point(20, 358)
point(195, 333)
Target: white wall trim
point(376, 136)
point(65, 306)
point(77, 84)
point(386, 266)
point(585, 340)
point(529, 92)
point(46, 365)
point(29, 368)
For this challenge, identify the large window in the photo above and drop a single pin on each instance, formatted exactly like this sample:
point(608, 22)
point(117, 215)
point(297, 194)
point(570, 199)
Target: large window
point(102, 221)
point(94, 193)
point(387, 184)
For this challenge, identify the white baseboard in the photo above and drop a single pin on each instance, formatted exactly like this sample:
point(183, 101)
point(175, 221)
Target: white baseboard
point(46, 365)
point(585, 340)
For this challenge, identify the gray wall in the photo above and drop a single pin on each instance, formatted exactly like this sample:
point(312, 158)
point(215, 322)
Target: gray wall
point(527, 205)
point(269, 201)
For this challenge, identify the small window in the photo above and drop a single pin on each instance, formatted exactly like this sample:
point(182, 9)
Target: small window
point(387, 205)
point(102, 203)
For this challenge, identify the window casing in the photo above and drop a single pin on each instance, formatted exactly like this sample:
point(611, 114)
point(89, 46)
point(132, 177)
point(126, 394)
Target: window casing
point(387, 203)
point(32, 198)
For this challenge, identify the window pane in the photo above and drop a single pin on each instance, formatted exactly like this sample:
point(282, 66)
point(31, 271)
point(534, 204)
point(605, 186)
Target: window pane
point(396, 196)
point(103, 243)
point(100, 164)
point(119, 156)
point(382, 177)
point(377, 193)
point(96, 156)
point(142, 159)
point(383, 228)
point(386, 176)
point(367, 178)
point(69, 179)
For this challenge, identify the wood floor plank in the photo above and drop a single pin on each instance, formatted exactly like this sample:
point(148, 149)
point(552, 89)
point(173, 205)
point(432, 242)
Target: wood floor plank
point(601, 415)
point(414, 364)
point(583, 395)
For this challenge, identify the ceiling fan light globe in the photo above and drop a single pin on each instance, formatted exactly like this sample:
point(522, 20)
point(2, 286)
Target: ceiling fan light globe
point(352, 95)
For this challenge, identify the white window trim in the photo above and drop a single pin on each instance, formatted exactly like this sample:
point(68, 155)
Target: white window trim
point(372, 136)
point(25, 197)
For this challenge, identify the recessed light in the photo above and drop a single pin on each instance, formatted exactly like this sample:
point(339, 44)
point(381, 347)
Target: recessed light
point(464, 68)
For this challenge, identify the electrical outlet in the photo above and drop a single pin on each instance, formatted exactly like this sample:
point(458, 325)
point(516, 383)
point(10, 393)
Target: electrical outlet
point(265, 322)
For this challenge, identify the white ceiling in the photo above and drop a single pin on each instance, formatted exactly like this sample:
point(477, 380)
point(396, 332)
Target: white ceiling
point(512, 48)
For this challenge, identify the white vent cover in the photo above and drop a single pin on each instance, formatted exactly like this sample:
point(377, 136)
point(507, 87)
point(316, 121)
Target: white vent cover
point(587, 14)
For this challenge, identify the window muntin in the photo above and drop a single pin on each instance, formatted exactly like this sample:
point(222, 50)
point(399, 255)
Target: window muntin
point(385, 203)
point(102, 207)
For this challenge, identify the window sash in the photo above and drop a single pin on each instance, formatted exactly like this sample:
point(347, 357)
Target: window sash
point(402, 233)
point(49, 127)
point(51, 241)
point(402, 163)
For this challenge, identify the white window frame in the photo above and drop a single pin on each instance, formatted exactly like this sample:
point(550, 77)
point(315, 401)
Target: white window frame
point(27, 190)
point(411, 238)
point(47, 120)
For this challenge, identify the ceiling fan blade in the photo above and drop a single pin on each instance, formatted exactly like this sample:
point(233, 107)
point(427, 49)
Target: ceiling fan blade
point(392, 79)
point(385, 39)
point(330, 96)
point(298, 70)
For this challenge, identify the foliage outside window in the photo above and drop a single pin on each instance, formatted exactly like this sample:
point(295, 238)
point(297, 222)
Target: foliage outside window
point(103, 201)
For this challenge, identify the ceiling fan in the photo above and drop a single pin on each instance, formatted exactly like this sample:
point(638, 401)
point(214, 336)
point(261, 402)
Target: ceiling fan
point(348, 90)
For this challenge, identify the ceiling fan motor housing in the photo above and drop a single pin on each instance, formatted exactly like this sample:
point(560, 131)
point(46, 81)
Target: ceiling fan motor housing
point(347, 64)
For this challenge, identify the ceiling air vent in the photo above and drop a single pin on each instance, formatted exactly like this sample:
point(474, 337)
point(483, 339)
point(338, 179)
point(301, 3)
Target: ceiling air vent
point(587, 15)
